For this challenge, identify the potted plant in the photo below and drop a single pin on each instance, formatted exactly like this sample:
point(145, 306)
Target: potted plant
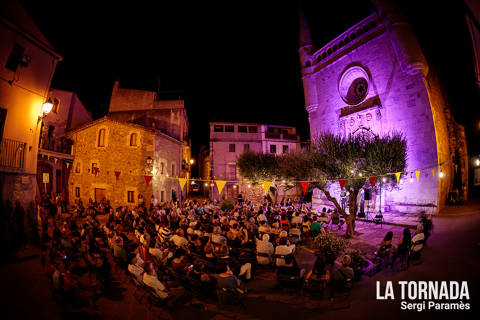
point(360, 264)
point(329, 246)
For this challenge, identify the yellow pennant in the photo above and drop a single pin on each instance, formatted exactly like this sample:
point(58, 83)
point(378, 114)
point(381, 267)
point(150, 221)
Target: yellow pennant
point(220, 185)
point(55, 160)
point(397, 174)
point(182, 182)
point(266, 185)
point(433, 173)
point(68, 165)
point(417, 173)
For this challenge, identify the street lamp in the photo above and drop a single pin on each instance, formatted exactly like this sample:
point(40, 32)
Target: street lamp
point(192, 161)
point(149, 160)
point(46, 108)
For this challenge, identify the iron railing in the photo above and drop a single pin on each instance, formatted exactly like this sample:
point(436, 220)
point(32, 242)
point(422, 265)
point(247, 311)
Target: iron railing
point(12, 154)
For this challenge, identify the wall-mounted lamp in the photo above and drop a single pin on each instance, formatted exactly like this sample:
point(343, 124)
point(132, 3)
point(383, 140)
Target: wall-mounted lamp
point(46, 108)
point(441, 174)
point(192, 161)
point(477, 162)
point(149, 160)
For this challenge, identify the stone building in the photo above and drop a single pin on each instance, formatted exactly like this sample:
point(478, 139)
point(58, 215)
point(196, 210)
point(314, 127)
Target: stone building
point(113, 159)
point(142, 136)
point(204, 169)
point(228, 140)
point(27, 64)
point(373, 79)
point(55, 154)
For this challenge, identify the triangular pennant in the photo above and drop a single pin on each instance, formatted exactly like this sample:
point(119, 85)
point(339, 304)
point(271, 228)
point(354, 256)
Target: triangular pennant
point(68, 164)
point(398, 174)
point(304, 185)
point(55, 160)
point(372, 181)
point(433, 173)
point(182, 182)
point(417, 173)
point(117, 175)
point(220, 185)
point(266, 185)
point(342, 182)
point(148, 179)
point(95, 171)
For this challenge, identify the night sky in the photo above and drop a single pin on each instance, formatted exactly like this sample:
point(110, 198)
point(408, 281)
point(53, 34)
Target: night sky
point(235, 61)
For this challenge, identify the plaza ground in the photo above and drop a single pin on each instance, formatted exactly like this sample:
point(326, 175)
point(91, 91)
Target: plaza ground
point(453, 253)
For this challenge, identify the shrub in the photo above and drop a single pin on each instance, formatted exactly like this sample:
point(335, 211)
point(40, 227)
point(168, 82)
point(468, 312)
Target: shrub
point(329, 246)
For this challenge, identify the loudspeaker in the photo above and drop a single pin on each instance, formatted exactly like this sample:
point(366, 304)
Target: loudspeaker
point(366, 194)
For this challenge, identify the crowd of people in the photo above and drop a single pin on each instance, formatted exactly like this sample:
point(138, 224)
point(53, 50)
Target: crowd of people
point(198, 246)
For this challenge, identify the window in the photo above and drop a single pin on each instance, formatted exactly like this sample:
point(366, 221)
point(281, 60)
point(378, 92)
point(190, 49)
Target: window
point(273, 148)
point(217, 128)
point(246, 147)
point(162, 167)
point(242, 128)
point(232, 172)
point(101, 138)
point(56, 104)
point(285, 149)
point(252, 129)
point(94, 168)
point(78, 167)
point(14, 58)
point(133, 139)
point(231, 147)
point(51, 130)
point(173, 169)
point(162, 196)
point(131, 196)
point(77, 192)
point(229, 128)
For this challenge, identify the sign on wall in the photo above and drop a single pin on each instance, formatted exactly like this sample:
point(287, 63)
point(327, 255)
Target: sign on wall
point(46, 177)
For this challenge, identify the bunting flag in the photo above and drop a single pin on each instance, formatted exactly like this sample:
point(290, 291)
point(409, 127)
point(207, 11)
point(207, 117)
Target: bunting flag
point(342, 182)
point(95, 171)
point(433, 173)
point(55, 159)
point(148, 179)
point(68, 164)
point(266, 186)
point(398, 174)
point(182, 182)
point(304, 185)
point(117, 175)
point(417, 173)
point(220, 185)
point(372, 181)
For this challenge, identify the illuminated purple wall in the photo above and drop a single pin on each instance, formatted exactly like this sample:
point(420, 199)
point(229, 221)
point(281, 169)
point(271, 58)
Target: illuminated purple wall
point(371, 80)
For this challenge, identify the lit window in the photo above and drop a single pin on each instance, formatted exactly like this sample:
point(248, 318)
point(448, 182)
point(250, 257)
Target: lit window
point(101, 138)
point(133, 139)
point(130, 196)
point(231, 147)
point(273, 148)
point(78, 167)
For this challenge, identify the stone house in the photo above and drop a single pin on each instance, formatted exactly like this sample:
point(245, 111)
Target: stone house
point(115, 159)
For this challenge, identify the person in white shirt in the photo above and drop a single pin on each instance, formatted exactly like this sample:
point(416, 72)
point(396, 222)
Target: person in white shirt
point(418, 237)
point(264, 250)
point(296, 219)
point(150, 279)
point(283, 249)
point(136, 269)
point(178, 239)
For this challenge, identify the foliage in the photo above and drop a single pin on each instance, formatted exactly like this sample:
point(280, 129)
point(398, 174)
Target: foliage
point(258, 167)
point(227, 205)
point(358, 259)
point(328, 245)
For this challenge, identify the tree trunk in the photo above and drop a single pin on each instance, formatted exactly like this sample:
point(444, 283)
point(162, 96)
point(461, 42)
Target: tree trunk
point(352, 207)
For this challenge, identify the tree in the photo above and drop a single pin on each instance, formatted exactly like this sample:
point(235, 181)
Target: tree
point(333, 157)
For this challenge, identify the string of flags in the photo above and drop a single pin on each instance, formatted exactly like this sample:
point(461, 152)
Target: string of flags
point(55, 159)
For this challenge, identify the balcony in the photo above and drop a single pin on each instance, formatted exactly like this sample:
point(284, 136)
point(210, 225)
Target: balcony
point(12, 154)
point(272, 135)
point(62, 145)
point(290, 136)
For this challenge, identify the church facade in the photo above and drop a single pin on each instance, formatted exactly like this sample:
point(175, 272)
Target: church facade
point(374, 79)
